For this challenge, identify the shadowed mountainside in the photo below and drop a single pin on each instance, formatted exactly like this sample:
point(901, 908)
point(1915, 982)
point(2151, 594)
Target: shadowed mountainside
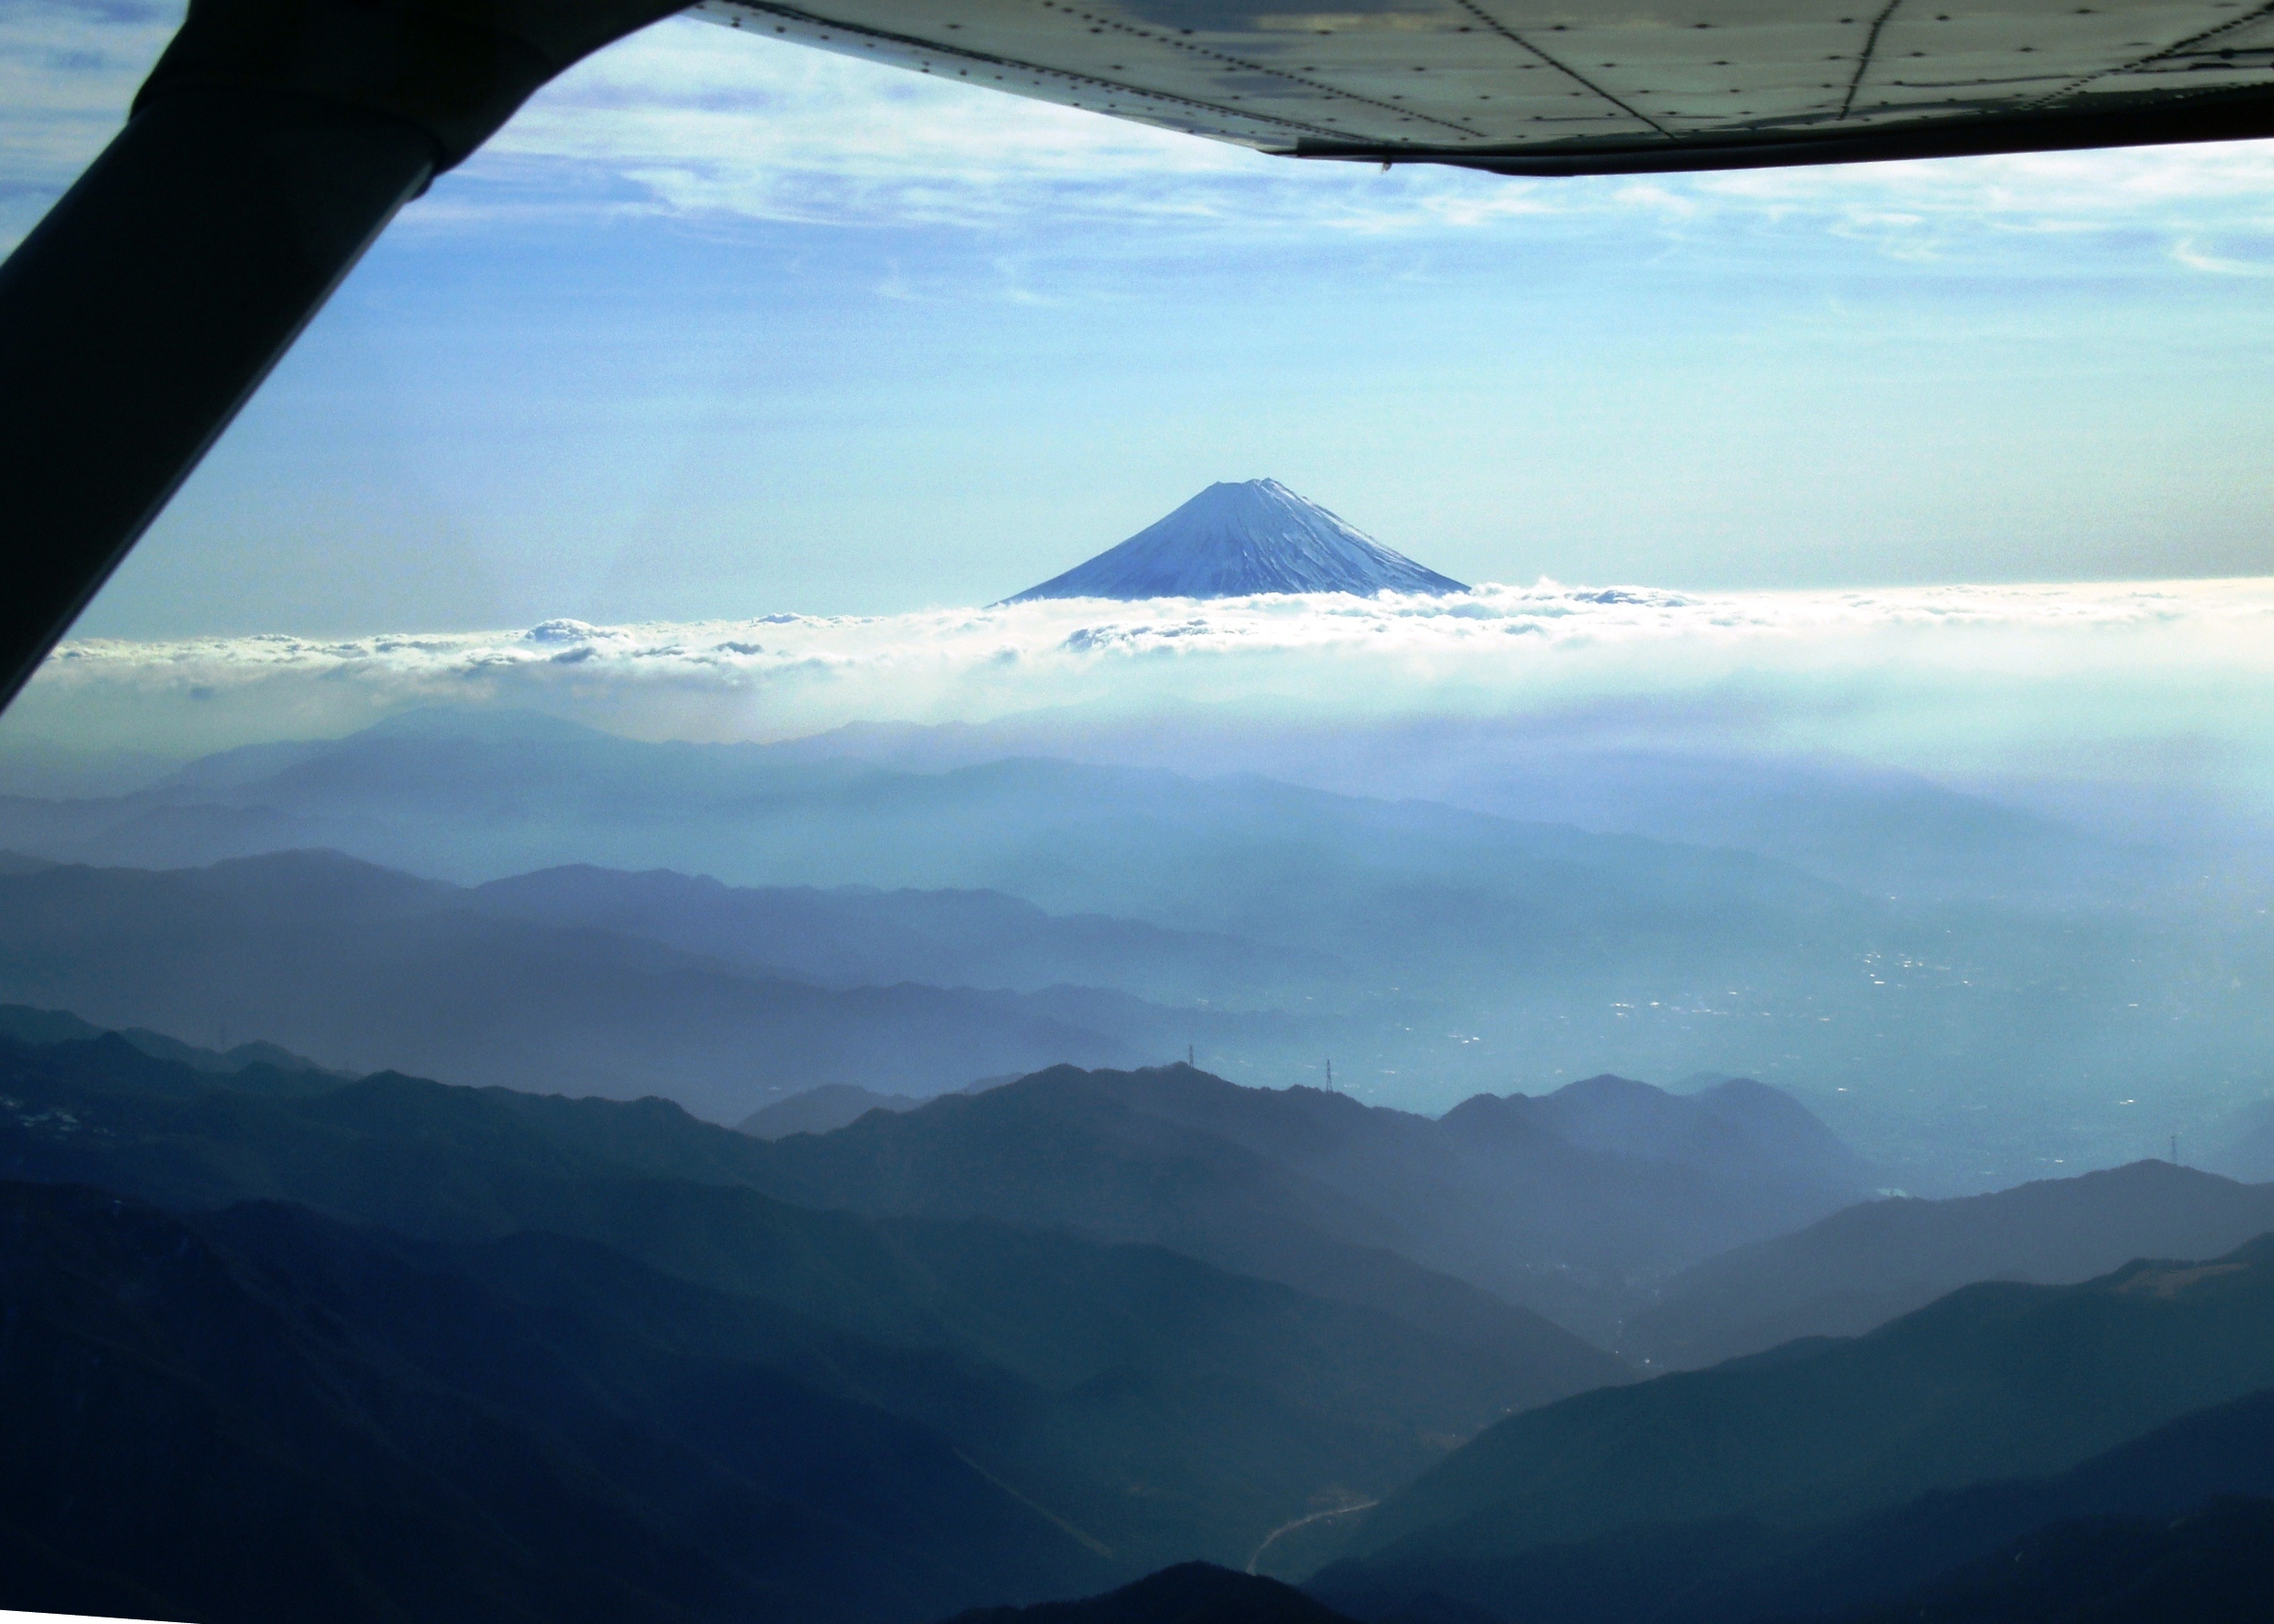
point(2211, 1559)
point(568, 1352)
point(1993, 1380)
point(1163, 1407)
point(262, 1415)
point(1737, 1569)
point(1863, 1267)
point(2214, 1562)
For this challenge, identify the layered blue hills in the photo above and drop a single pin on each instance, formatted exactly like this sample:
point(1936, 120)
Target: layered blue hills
point(1239, 540)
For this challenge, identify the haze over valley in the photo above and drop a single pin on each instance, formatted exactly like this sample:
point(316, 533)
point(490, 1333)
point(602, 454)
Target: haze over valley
point(1974, 994)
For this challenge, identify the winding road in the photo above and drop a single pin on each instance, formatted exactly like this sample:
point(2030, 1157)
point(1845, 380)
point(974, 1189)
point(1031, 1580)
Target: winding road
point(1286, 1528)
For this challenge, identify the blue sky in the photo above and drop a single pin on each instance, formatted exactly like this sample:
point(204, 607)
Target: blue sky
point(720, 326)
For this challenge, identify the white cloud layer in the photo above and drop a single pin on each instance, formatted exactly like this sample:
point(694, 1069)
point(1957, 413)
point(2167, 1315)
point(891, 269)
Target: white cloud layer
point(2103, 680)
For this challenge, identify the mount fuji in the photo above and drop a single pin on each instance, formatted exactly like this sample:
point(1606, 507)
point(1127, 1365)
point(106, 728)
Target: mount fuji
point(1238, 540)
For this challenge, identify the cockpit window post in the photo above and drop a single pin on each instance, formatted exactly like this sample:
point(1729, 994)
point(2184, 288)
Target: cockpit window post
point(270, 145)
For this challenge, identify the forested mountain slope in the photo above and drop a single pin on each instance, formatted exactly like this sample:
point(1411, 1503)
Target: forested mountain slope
point(1863, 1267)
point(1993, 1381)
point(1164, 1407)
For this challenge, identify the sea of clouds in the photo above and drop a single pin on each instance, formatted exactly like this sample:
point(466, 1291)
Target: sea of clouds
point(2106, 680)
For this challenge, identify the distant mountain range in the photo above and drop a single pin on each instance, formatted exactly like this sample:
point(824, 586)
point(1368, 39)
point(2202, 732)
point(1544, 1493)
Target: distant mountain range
point(368, 969)
point(1434, 953)
point(28, 1025)
point(857, 936)
point(1240, 539)
point(1861, 1267)
point(820, 1110)
point(1562, 1204)
point(1877, 831)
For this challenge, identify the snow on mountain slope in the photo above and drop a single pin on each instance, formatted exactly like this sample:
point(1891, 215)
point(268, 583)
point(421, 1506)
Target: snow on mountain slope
point(1237, 540)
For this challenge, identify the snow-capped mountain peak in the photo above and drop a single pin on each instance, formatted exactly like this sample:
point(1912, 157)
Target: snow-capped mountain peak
point(1235, 540)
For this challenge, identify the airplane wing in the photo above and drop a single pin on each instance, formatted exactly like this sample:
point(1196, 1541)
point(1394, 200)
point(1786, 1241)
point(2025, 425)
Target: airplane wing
point(1551, 87)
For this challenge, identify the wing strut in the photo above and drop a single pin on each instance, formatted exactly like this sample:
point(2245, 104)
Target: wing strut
point(270, 145)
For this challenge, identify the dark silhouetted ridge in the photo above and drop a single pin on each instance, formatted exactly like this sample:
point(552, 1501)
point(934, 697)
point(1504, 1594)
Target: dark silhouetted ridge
point(2214, 1563)
point(1739, 1570)
point(1191, 1593)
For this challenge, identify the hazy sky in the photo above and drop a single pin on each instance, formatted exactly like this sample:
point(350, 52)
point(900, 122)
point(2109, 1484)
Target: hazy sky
point(722, 327)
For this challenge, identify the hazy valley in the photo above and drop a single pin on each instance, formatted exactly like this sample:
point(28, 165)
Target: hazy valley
point(2020, 998)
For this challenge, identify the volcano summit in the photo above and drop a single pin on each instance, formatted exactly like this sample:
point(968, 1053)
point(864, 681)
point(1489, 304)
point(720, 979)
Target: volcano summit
point(1234, 540)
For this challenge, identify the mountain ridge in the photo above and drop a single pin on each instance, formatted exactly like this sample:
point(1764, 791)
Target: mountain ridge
point(853, 935)
point(1868, 1264)
point(1736, 1569)
point(1164, 1406)
point(351, 962)
point(1994, 1380)
point(1325, 1192)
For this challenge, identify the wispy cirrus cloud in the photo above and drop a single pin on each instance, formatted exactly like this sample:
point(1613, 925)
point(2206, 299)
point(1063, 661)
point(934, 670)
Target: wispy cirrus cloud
point(68, 71)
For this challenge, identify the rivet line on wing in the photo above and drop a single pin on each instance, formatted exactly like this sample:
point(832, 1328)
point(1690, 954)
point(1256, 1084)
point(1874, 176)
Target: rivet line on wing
point(1246, 66)
point(2174, 49)
point(1012, 64)
point(1573, 74)
point(1863, 62)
